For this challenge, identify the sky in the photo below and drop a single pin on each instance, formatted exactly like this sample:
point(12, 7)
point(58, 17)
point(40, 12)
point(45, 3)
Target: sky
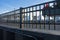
point(9, 5)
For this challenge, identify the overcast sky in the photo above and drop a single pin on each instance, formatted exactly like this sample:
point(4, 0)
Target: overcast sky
point(9, 5)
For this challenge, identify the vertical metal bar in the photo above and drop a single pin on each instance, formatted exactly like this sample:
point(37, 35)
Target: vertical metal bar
point(54, 17)
point(24, 18)
point(43, 12)
point(29, 18)
point(7, 19)
point(27, 21)
point(44, 17)
point(14, 15)
point(21, 17)
point(40, 15)
point(49, 16)
point(36, 18)
point(32, 19)
point(10, 18)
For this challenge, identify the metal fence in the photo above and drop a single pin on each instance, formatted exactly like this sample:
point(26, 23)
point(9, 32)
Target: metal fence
point(40, 16)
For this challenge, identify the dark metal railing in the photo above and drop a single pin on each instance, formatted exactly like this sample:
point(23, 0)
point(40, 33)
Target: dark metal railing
point(40, 16)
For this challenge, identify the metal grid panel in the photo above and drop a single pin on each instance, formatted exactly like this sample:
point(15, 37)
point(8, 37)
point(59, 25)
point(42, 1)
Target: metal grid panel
point(40, 16)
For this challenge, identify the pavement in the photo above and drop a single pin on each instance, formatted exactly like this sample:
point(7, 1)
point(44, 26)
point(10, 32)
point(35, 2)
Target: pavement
point(35, 27)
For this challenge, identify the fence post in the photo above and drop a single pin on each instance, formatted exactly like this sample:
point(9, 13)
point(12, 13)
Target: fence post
point(21, 17)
